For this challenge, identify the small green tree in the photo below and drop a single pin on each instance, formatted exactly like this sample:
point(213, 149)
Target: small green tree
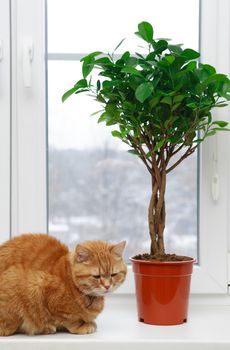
point(161, 103)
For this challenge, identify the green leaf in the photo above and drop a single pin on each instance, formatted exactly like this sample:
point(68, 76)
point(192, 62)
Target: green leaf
point(189, 54)
point(175, 138)
point(129, 106)
point(87, 67)
point(118, 45)
point(90, 56)
point(98, 85)
point(167, 100)
point(144, 118)
point(103, 118)
point(211, 133)
point(216, 79)
point(221, 105)
point(119, 63)
point(80, 91)
point(81, 84)
point(107, 84)
point(101, 110)
point(112, 111)
point(132, 61)
point(125, 56)
point(192, 105)
point(124, 132)
point(131, 70)
point(157, 80)
point(220, 123)
point(143, 91)
point(116, 133)
point(209, 118)
point(157, 126)
point(100, 98)
point(107, 118)
point(111, 122)
point(88, 63)
point(132, 151)
point(178, 98)
point(151, 56)
point(160, 46)
point(68, 94)
point(170, 59)
point(191, 66)
point(139, 55)
point(159, 145)
point(210, 69)
point(221, 129)
point(175, 48)
point(154, 101)
point(175, 106)
point(103, 61)
point(145, 30)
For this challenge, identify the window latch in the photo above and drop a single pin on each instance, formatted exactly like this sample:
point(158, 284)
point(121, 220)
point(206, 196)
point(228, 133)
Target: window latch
point(28, 56)
point(1, 50)
point(215, 185)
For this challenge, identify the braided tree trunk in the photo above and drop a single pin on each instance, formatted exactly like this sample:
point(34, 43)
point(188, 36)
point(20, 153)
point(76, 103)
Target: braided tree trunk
point(157, 215)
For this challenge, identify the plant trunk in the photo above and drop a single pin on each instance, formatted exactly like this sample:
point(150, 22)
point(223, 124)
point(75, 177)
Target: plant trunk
point(157, 215)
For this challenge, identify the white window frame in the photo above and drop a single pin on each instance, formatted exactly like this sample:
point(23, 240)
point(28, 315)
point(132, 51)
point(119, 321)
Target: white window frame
point(5, 113)
point(29, 158)
point(29, 193)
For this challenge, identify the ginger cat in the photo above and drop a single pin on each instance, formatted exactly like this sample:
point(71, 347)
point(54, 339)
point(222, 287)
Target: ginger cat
point(44, 287)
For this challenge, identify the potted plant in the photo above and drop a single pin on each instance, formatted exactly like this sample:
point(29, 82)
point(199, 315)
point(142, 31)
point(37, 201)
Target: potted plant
point(160, 103)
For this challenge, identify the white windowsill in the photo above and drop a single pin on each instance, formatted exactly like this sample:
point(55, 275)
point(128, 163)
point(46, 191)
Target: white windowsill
point(118, 328)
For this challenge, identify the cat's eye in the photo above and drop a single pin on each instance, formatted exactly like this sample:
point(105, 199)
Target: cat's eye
point(113, 274)
point(97, 276)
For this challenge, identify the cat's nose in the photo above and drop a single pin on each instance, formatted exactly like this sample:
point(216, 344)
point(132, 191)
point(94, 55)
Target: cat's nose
point(107, 286)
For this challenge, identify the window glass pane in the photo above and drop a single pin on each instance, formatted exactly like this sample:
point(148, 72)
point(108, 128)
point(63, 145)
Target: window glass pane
point(99, 191)
point(86, 26)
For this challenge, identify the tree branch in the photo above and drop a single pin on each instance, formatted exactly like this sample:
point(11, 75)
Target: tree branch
point(189, 151)
point(178, 149)
point(169, 154)
point(154, 165)
point(141, 153)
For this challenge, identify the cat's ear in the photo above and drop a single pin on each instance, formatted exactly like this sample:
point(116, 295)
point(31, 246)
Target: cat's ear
point(81, 253)
point(118, 249)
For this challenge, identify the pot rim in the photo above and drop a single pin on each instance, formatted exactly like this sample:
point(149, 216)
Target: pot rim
point(191, 261)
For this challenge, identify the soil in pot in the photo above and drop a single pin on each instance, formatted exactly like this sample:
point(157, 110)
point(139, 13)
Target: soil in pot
point(158, 257)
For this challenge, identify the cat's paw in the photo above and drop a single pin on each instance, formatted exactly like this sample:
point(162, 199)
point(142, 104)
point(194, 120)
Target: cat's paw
point(85, 328)
point(49, 330)
point(5, 332)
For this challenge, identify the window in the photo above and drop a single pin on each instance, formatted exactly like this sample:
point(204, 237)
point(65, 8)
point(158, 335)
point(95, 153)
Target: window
point(96, 189)
point(28, 205)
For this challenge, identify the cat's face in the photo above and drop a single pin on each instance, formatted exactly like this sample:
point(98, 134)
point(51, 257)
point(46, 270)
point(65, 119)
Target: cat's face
point(98, 267)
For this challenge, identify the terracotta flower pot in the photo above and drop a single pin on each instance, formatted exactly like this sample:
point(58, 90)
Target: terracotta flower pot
point(162, 291)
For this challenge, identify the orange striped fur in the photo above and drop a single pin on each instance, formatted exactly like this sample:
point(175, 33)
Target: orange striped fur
point(45, 288)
